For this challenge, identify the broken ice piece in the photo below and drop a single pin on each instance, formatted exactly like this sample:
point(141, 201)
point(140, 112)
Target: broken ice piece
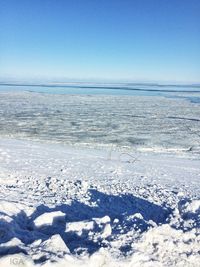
point(48, 218)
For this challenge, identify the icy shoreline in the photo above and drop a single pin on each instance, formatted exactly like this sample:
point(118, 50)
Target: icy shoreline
point(68, 206)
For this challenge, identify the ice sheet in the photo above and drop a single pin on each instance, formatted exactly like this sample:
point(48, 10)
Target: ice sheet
point(140, 122)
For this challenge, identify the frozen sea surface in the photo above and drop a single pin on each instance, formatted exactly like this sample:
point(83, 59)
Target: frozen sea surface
point(140, 122)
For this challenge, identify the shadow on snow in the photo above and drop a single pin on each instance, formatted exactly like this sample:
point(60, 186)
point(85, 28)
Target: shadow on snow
point(121, 207)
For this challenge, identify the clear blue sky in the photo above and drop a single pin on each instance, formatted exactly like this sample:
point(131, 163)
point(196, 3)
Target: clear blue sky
point(138, 40)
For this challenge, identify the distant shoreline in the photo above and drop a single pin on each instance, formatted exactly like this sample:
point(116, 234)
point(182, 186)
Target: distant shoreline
point(128, 86)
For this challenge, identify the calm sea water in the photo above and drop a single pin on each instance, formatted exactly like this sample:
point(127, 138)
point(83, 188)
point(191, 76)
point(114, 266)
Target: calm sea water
point(132, 90)
point(150, 118)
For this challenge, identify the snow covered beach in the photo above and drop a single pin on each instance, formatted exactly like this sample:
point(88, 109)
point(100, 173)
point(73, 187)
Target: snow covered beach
point(67, 205)
point(79, 207)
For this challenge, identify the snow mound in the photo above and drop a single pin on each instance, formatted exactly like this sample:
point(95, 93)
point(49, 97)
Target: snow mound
point(165, 246)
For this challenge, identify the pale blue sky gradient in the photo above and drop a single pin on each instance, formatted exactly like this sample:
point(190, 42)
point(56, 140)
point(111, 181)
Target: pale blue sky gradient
point(133, 40)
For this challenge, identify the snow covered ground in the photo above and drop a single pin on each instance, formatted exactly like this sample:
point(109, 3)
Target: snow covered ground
point(69, 206)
